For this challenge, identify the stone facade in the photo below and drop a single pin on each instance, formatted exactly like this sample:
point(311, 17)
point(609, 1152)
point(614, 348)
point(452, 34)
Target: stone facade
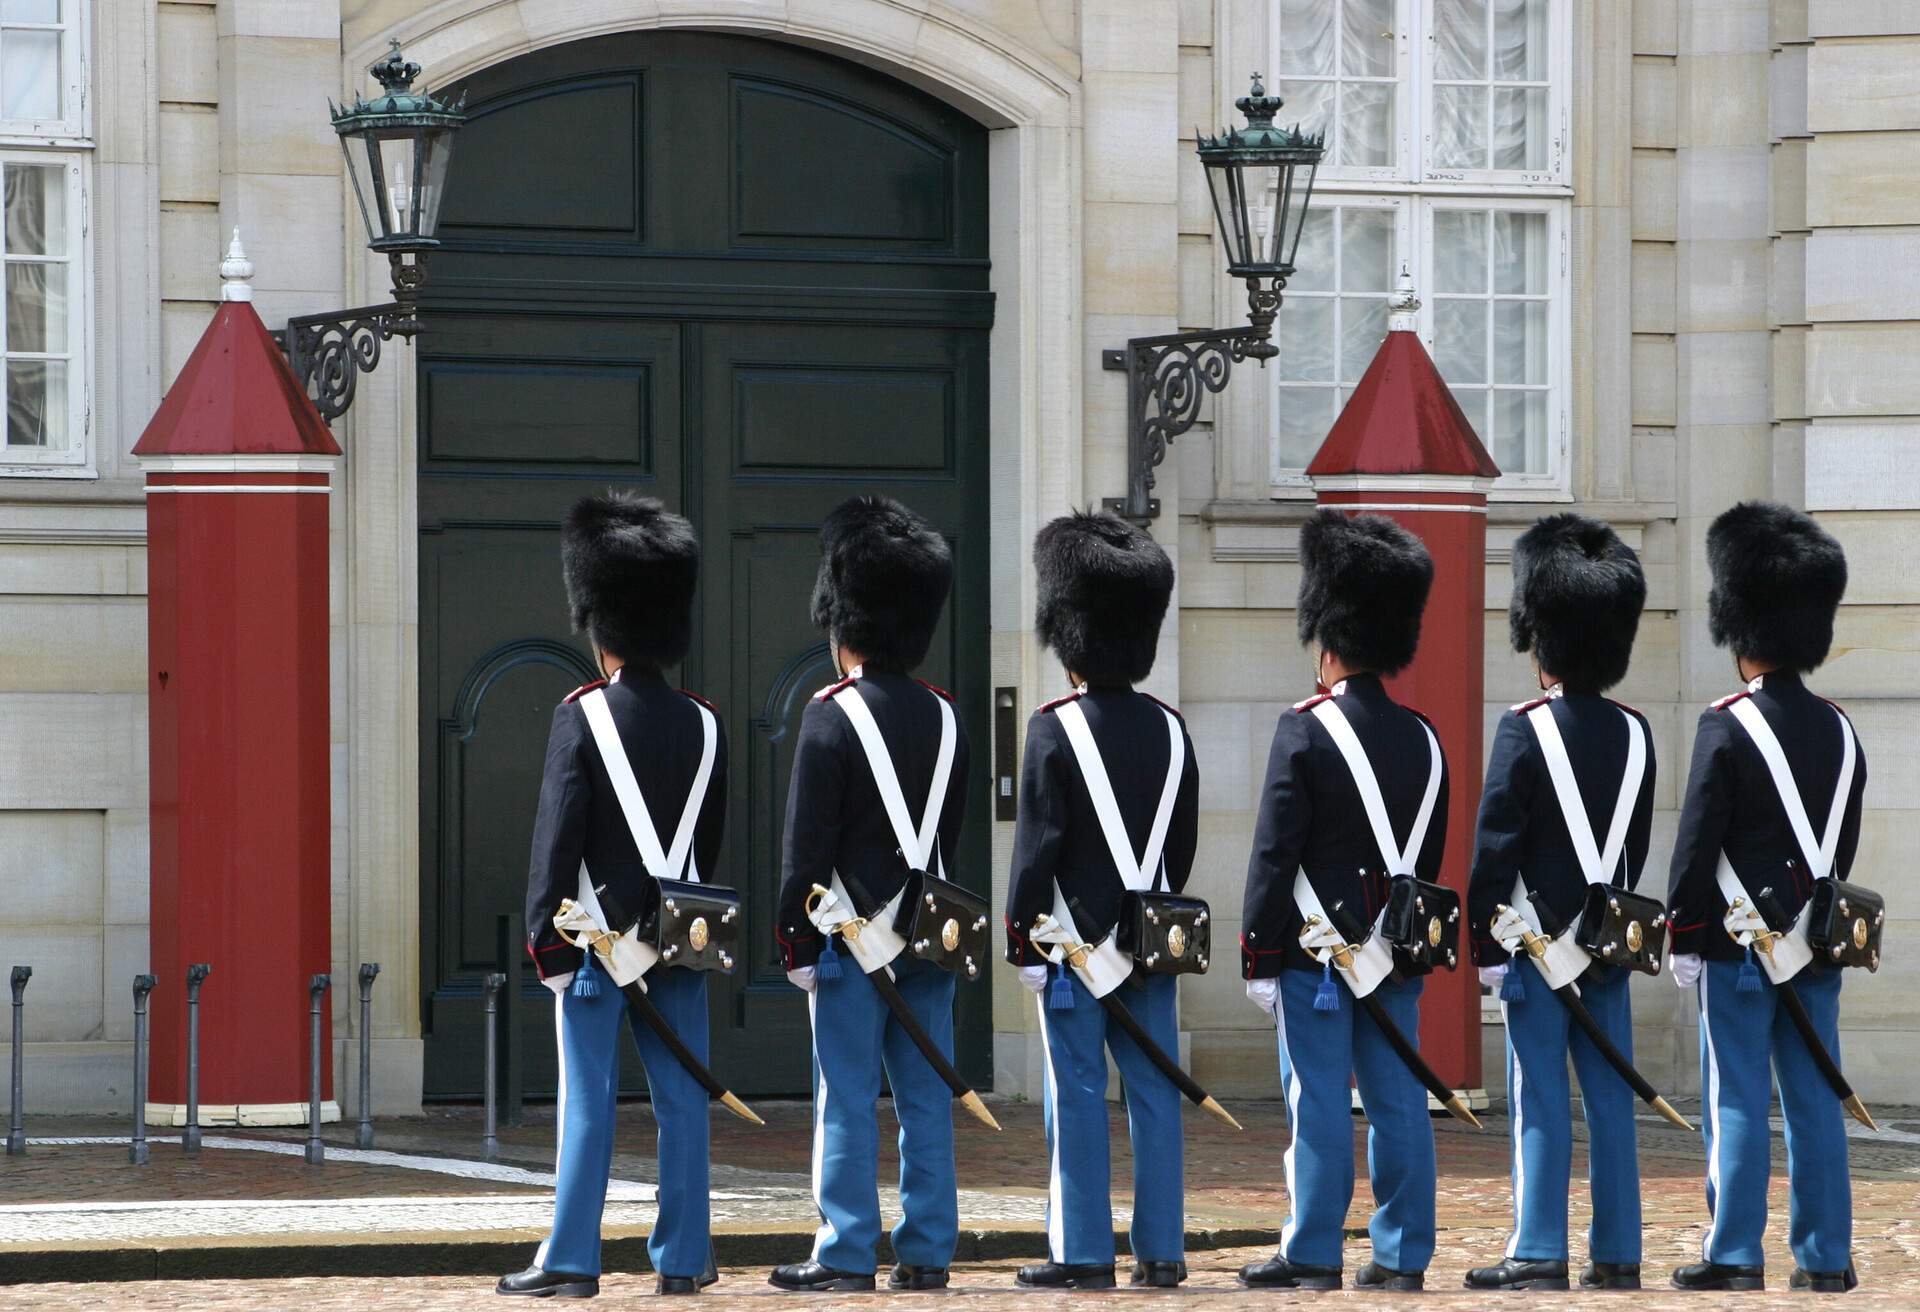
point(1743, 291)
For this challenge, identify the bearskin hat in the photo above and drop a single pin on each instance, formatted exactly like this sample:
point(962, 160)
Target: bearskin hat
point(1104, 588)
point(1577, 595)
point(1363, 587)
point(1777, 580)
point(884, 576)
point(630, 565)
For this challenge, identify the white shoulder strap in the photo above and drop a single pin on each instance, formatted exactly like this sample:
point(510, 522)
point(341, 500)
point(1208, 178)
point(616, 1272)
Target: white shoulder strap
point(678, 863)
point(1598, 864)
point(1399, 861)
point(1819, 852)
point(1142, 874)
point(921, 848)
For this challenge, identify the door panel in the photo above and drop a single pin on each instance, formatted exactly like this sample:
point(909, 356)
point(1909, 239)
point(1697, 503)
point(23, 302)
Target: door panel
point(748, 279)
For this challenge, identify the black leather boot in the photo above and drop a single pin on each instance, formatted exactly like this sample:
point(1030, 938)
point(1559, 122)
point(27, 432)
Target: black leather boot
point(810, 1277)
point(1824, 1282)
point(917, 1277)
point(1715, 1275)
point(1158, 1275)
point(676, 1285)
point(535, 1283)
point(1059, 1275)
point(1278, 1273)
point(1519, 1273)
point(1611, 1275)
point(1375, 1276)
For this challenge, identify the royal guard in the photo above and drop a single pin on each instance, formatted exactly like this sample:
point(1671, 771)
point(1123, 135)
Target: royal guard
point(1355, 799)
point(630, 569)
point(1566, 811)
point(1109, 803)
point(876, 804)
point(1761, 923)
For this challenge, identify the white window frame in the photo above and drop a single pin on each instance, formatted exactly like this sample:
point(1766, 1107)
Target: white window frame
point(68, 141)
point(1422, 190)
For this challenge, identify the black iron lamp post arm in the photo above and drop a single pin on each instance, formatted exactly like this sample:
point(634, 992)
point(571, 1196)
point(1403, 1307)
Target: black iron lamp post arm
point(330, 351)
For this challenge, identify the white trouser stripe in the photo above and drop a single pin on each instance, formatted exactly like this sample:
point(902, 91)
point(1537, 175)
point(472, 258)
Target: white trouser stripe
point(559, 1112)
point(1293, 1123)
point(1514, 1082)
point(1056, 1198)
point(1712, 1119)
point(824, 1235)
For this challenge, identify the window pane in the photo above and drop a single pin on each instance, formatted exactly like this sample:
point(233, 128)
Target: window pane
point(1520, 40)
point(36, 210)
point(1363, 326)
point(1306, 339)
point(37, 404)
point(1460, 251)
point(1460, 340)
point(1309, 105)
point(1519, 252)
point(1313, 261)
point(1519, 431)
point(1520, 128)
point(36, 307)
point(1306, 37)
point(1520, 342)
point(1459, 128)
point(1366, 250)
point(29, 74)
point(1460, 39)
point(1306, 413)
point(30, 11)
point(1366, 125)
point(1366, 38)
point(1473, 403)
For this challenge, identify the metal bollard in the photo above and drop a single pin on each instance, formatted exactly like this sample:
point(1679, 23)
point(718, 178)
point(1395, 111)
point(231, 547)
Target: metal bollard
point(490, 1145)
point(368, 969)
point(190, 1136)
point(142, 986)
point(16, 1132)
point(316, 1150)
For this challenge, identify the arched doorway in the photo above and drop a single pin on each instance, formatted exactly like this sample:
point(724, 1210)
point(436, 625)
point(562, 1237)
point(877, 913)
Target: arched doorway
point(750, 279)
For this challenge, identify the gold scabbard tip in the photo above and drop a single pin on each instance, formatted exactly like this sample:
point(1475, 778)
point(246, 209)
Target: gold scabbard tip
point(971, 1101)
point(1858, 1110)
point(740, 1109)
point(1665, 1108)
point(1209, 1105)
point(1459, 1108)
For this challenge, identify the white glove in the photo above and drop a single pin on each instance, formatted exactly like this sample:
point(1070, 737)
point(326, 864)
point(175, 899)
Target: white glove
point(803, 978)
point(1686, 968)
point(558, 983)
point(1034, 978)
point(1490, 976)
point(1264, 994)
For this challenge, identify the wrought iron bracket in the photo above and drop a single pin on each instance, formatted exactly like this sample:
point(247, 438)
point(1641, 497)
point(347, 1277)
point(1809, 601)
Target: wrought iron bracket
point(330, 351)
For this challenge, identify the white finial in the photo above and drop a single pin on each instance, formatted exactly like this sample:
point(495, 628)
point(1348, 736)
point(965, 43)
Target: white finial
point(1403, 307)
point(235, 270)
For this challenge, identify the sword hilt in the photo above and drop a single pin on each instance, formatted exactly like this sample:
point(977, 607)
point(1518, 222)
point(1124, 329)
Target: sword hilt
point(846, 929)
point(1535, 944)
point(1760, 938)
point(1341, 952)
point(1076, 953)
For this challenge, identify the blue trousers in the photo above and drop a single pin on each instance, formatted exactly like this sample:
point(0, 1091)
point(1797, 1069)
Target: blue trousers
point(1739, 1034)
point(855, 1038)
point(1319, 1052)
point(589, 1039)
point(1079, 1178)
point(1541, 1035)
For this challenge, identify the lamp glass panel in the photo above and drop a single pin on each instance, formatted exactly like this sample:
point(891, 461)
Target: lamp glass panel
point(402, 189)
point(362, 167)
point(437, 147)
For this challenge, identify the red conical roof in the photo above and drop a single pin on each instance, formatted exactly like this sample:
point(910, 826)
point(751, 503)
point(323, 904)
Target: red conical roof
point(1401, 419)
point(236, 396)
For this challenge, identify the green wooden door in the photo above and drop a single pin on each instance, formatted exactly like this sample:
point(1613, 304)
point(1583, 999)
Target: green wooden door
point(748, 279)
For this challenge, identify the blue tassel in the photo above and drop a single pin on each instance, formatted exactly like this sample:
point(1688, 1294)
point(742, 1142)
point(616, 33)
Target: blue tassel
point(586, 980)
point(1749, 975)
point(1327, 996)
point(1060, 992)
point(1512, 987)
point(828, 967)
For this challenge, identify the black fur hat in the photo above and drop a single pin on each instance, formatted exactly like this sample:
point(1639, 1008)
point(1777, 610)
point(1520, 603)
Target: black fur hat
point(630, 566)
point(882, 587)
point(1104, 588)
point(1363, 587)
point(1577, 596)
point(1777, 580)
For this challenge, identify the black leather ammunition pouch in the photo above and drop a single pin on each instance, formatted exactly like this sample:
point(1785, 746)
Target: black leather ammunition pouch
point(1422, 925)
point(693, 926)
point(943, 923)
point(1619, 928)
point(1165, 933)
point(1843, 924)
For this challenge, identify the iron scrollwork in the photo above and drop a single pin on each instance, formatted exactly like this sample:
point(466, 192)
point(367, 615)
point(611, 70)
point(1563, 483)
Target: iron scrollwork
point(329, 352)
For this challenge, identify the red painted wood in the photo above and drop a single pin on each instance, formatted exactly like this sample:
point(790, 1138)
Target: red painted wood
point(1402, 419)
point(236, 393)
